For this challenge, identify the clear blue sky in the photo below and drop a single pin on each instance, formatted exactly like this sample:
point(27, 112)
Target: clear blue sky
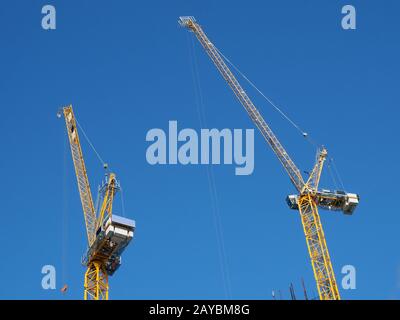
point(126, 68)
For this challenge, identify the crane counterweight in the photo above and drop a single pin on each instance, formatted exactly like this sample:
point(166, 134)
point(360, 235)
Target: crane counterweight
point(336, 200)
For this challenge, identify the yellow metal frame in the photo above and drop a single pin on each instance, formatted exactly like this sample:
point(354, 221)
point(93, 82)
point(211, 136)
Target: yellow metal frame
point(106, 207)
point(312, 182)
point(96, 282)
point(314, 234)
point(81, 174)
point(317, 249)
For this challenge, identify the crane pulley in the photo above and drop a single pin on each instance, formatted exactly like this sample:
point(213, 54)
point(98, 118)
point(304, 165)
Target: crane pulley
point(309, 196)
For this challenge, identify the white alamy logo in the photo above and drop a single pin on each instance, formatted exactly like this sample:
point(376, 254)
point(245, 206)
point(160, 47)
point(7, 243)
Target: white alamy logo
point(49, 20)
point(349, 20)
point(49, 278)
point(349, 278)
point(188, 147)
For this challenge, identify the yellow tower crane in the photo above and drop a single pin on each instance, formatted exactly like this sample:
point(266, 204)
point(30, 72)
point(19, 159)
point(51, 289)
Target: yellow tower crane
point(107, 234)
point(309, 198)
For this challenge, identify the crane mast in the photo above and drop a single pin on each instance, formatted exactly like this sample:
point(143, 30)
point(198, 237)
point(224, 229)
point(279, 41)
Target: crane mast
point(309, 196)
point(107, 234)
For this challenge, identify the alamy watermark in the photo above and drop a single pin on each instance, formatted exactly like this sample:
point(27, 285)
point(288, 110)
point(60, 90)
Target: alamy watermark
point(49, 18)
point(188, 147)
point(349, 20)
point(49, 278)
point(349, 278)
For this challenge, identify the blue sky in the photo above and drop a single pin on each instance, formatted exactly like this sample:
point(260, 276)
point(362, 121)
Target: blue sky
point(126, 68)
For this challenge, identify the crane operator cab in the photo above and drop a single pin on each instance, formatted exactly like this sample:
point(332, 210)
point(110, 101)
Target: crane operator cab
point(111, 240)
point(337, 200)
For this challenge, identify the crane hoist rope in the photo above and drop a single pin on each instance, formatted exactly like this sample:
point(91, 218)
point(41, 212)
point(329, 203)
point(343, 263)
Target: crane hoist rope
point(335, 169)
point(215, 207)
point(64, 248)
point(309, 198)
point(104, 164)
point(305, 134)
point(269, 100)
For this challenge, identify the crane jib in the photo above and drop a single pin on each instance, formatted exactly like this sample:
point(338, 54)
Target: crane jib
point(81, 175)
point(290, 167)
